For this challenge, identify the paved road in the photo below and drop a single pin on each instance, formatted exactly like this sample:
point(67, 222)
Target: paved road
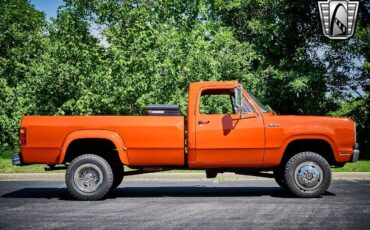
point(252, 204)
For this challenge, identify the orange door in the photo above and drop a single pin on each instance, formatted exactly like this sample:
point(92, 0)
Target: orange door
point(224, 140)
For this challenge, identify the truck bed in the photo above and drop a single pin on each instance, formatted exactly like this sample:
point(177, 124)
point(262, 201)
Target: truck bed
point(149, 140)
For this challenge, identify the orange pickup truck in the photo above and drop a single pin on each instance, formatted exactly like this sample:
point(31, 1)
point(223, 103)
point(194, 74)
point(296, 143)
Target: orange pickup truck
point(238, 135)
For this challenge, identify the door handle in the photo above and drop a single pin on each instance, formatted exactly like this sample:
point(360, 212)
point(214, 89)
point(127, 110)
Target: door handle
point(202, 122)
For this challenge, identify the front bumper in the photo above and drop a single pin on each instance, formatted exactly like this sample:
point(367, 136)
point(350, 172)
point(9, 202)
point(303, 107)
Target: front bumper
point(356, 153)
point(16, 159)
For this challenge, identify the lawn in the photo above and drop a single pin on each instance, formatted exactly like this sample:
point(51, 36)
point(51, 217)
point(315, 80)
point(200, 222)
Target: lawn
point(359, 166)
point(7, 167)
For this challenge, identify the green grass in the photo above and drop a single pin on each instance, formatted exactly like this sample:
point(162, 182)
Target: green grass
point(7, 167)
point(359, 166)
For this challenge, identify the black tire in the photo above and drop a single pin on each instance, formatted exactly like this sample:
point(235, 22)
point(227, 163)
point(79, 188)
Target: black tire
point(89, 177)
point(279, 178)
point(307, 175)
point(117, 176)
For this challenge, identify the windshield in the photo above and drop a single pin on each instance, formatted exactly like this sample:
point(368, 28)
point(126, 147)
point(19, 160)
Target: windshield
point(262, 107)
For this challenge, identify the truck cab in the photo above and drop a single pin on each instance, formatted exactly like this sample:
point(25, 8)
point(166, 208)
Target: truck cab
point(230, 134)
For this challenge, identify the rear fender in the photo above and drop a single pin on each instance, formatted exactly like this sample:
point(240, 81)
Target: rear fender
point(114, 137)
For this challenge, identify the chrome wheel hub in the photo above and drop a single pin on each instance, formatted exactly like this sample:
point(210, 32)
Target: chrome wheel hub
point(88, 178)
point(308, 176)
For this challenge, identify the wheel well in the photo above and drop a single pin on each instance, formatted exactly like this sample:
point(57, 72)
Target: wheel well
point(312, 145)
point(101, 147)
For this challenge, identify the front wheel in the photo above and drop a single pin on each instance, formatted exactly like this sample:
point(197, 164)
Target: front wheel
point(307, 174)
point(89, 177)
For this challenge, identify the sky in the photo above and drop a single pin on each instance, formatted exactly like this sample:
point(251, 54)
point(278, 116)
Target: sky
point(50, 7)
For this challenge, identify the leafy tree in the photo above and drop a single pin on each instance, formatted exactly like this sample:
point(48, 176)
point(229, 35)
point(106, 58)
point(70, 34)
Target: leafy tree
point(349, 75)
point(22, 31)
point(284, 33)
point(68, 77)
point(118, 56)
point(156, 48)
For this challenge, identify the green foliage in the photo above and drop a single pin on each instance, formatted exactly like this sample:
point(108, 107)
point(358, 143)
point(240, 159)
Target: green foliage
point(283, 33)
point(21, 41)
point(216, 104)
point(116, 57)
point(349, 77)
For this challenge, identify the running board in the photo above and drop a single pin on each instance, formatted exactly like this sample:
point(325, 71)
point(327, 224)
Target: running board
point(53, 167)
point(257, 174)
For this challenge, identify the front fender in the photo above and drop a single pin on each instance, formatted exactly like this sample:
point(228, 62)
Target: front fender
point(325, 138)
point(114, 137)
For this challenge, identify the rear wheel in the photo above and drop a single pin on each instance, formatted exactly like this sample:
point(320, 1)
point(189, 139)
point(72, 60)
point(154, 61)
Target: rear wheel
point(307, 174)
point(118, 176)
point(89, 177)
point(279, 178)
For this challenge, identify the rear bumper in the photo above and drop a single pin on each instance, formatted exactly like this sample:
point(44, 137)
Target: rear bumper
point(356, 153)
point(16, 159)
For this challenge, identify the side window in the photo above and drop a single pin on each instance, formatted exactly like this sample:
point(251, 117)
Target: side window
point(246, 107)
point(216, 102)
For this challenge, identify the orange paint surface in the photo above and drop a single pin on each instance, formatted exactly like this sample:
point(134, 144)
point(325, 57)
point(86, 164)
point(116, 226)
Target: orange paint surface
point(256, 140)
point(139, 137)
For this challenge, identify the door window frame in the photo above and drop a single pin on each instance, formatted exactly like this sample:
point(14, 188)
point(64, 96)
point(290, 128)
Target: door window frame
point(244, 94)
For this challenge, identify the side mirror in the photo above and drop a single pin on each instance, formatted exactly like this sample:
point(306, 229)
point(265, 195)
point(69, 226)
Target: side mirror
point(238, 99)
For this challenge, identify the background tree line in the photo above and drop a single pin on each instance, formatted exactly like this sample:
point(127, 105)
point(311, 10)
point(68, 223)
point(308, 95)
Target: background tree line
point(117, 56)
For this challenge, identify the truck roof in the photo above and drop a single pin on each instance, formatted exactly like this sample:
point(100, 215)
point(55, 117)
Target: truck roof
point(213, 83)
